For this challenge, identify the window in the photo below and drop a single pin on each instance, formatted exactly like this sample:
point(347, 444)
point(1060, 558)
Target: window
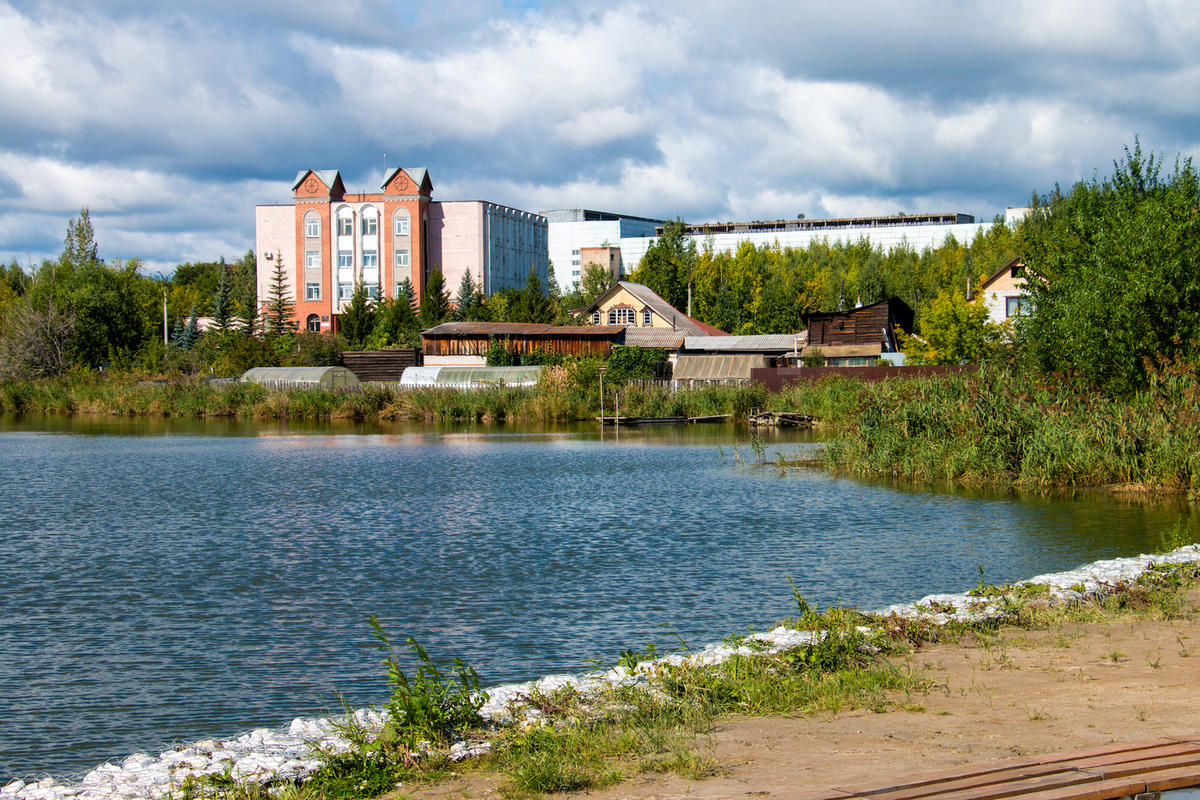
point(574, 252)
point(373, 291)
point(345, 291)
point(621, 316)
point(1014, 306)
point(312, 226)
point(370, 225)
point(345, 258)
point(574, 262)
point(595, 317)
point(646, 317)
point(312, 291)
point(370, 258)
point(401, 258)
point(312, 259)
point(402, 223)
point(345, 226)
point(313, 323)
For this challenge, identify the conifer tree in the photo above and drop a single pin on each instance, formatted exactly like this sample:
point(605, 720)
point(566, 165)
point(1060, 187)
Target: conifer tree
point(280, 312)
point(79, 247)
point(435, 304)
point(358, 318)
point(222, 310)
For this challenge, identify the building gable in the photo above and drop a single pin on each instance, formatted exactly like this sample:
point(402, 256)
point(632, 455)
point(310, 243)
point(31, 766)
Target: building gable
point(319, 183)
point(414, 180)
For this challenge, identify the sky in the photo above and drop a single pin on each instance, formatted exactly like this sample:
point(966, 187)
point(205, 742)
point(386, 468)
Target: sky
point(171, 121)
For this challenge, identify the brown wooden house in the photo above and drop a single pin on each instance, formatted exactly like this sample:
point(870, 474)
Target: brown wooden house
point(873, 324)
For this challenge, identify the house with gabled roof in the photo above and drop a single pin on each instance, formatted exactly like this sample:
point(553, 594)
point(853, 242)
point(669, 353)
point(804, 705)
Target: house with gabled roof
point(1004, 292)
point(636, 306)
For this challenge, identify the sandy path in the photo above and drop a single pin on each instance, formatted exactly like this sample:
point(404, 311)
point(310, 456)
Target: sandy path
point(1017, 693)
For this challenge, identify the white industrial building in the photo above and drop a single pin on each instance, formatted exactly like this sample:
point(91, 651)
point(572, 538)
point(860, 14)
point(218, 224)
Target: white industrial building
point(573, 229)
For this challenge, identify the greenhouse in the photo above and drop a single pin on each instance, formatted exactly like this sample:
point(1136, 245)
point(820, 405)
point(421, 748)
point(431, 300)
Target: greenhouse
point(469, 377)
point(297, 377)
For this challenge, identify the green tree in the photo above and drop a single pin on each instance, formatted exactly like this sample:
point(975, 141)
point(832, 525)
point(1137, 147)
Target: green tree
point(668, 264)
point(222, 306)
point(531, 304)
point(395, 324)
point(468, 305)
point(435, 303)
point(596, 280)
point(954, 330)
point(281, 310)
point(79, 247)
point(1113, 273)
point(358, 318)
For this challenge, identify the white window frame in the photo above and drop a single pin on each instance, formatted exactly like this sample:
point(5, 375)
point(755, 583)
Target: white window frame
point(345, 226)
point(402, 259)
point(595, 317)
point(312, 227)
point(312, 291)
point(646, 319)
point(1014, 306)
point(370, 225)
point(370, 259)
point(402, 225)
point(373, 291)
point(345, 259)
point(312, 259)
point(345, 291)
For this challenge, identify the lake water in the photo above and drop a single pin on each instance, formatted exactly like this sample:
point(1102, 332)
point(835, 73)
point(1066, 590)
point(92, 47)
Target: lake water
point(173, 581)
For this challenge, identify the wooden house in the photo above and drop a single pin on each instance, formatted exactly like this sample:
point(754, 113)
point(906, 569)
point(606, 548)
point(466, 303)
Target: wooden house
point(858, 336)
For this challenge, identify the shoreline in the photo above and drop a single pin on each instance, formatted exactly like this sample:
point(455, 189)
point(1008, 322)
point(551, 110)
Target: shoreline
point(288, 753)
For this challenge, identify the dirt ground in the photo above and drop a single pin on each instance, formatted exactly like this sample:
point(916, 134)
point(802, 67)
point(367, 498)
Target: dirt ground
point(1020, 693)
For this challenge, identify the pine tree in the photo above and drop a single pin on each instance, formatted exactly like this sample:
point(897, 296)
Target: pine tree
point(280, 310)
point(358, 318)
point(435, 304)
point(222, 301)
point(532, 305)
point(79, 248)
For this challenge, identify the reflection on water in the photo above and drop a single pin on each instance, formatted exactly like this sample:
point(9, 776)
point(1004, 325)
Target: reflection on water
point(181, 579)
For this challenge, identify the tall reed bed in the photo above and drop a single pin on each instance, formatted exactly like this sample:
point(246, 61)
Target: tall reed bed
point(1000, 427)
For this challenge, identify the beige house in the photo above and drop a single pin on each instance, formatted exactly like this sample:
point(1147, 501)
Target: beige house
point(1004, 293)
point(636, 306)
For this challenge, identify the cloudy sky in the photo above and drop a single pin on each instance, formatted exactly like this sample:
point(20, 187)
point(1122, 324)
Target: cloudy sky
point(171, 120)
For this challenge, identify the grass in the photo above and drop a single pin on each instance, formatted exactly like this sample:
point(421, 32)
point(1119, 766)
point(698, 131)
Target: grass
point(579, 741)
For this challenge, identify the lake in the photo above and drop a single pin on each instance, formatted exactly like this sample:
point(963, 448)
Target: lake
point(171, 581)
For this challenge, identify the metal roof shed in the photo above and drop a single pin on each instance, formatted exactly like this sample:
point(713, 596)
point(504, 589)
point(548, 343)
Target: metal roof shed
point(290, 377)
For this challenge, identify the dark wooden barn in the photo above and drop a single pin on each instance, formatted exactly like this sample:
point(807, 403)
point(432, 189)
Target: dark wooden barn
point(472, 339)
point(873, 324)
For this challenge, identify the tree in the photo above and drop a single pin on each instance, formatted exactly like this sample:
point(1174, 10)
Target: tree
point(79, 247)
point(954, 330)
point(358, 318)
point(596, 280)
point(469, 302)
point(668, 264)
point(280, 311)
point(1113, 274)
point(435, 303)
point(222, 307)
point(531, 304)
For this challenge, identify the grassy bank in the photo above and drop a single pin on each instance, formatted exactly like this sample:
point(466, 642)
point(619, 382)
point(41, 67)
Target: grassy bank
point(996, 427)
point(554, 400)
point(570, 740)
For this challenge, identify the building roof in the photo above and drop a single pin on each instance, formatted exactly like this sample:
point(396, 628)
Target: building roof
point(659, 306)
point(653, 337)
point(717, 368)
point(590, 215)
point(523, 329)
point(900, 305)
point(416, 173)
point(763, 343)
point(327, 176)
point(895, 220)
point(298, 375)
point(1016, 262)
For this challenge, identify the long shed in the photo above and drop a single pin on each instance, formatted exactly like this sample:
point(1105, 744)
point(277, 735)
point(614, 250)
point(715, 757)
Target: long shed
point(472, 339)
point(289, 377)
point(469, 377)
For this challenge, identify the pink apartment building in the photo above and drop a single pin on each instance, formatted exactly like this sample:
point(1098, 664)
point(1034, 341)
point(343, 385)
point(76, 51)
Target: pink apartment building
point(330, 241)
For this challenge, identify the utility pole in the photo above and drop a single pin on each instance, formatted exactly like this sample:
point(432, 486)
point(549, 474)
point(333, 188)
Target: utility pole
point(164, 315)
